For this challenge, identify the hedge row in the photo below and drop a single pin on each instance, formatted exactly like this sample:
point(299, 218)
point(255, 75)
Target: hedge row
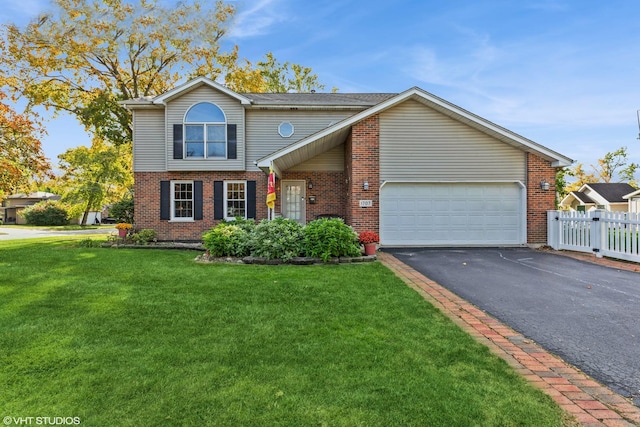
point(283, 239)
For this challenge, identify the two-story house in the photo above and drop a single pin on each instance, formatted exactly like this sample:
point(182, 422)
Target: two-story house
point(411, 166)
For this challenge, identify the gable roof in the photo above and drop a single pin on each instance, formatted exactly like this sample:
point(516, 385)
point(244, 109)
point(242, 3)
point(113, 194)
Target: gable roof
point(611, 192)
point(332, 136)
point(632, 195)
point(582, 197)
point(180, 90)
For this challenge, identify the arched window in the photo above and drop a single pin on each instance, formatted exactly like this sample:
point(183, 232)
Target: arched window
point(205, 130)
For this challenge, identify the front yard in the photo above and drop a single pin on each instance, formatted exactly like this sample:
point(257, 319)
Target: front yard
point(148, 337)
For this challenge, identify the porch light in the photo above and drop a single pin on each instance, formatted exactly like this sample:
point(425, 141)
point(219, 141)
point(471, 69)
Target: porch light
point(310, 185)
point(365, 185)
point(544, 185)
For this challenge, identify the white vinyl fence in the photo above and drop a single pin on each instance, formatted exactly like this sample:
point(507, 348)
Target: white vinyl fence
point(611, 234)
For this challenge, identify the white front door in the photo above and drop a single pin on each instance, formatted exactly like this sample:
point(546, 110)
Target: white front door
point(293, 201)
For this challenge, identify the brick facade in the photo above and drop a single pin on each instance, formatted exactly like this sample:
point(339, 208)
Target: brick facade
point(362, 160)
point(539, 201)
point(147, 201)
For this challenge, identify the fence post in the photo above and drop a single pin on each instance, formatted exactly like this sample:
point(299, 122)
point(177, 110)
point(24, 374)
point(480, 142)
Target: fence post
point(598, 235)
point(553, 229)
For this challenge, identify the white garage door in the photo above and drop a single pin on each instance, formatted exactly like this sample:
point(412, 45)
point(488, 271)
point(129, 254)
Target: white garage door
point(440, 214)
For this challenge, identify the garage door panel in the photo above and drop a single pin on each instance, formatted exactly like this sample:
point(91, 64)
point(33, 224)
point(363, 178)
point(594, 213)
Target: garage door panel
point(451, 214)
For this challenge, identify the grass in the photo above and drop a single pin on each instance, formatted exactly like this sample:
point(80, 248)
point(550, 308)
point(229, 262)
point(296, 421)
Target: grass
point(129, 337)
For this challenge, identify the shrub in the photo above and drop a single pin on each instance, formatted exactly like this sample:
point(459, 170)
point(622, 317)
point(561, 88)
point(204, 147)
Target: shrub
point(278, 239)
point(46, 213)
point(144, 236)
point(327, 238)
point(122, 210)
point(227, 239)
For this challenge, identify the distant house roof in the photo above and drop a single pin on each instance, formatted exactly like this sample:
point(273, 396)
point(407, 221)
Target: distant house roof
point(35, 195)
point(583, 197)
point(633, 195)
point(612, 192)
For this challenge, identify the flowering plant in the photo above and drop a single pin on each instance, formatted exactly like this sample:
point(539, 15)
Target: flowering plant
point(123, 226)
point(368, 237)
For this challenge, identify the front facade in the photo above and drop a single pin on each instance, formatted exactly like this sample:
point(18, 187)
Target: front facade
point(410, 166)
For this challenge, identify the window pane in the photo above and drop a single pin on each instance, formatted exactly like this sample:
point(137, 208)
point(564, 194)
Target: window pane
point(216, 149)
point(205, 112)
point(195, 149)
point(194, 133)
point(216, 133)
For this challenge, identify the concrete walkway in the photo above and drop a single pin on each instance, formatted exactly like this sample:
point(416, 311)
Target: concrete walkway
point(13, 233)
point(589, 402)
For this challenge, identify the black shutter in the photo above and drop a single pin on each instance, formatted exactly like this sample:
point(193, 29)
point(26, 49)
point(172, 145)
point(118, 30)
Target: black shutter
point(218, 200)
point(165, 200)
point(197, 200)
point(232, 142)
point(177, 141)
point(251, 199)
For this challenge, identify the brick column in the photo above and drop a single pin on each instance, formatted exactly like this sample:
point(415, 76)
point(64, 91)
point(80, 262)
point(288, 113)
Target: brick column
point(363, 164)
point(539, 201)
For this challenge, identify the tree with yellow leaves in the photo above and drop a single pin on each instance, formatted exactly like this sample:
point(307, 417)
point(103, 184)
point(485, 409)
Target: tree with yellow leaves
point(85, 56)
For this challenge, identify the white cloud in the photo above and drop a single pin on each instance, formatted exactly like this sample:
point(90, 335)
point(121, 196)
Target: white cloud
point(255, 18)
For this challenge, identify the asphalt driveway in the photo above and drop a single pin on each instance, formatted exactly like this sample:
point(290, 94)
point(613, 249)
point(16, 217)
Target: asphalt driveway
point(585, 313)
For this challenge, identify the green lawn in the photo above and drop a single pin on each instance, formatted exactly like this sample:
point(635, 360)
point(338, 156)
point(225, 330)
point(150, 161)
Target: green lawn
point(125, 337)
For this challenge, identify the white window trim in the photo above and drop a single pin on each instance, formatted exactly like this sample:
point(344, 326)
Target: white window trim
point(293, 129)
point(225, 189)
point(204, 124)
point(172, 217)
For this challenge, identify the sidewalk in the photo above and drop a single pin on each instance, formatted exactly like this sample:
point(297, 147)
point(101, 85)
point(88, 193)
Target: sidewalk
point(589, 402)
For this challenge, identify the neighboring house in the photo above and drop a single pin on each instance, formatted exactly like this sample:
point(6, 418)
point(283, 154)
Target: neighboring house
point(605, 196)
point(411, 166)
point(633, 199)
point(15, 203)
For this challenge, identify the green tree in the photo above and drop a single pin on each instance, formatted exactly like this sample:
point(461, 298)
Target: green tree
point(93, 176)
point(613, 166)
point(286, 77)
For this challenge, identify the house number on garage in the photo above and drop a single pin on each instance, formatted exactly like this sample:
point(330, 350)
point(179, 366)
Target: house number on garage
point(366, 203)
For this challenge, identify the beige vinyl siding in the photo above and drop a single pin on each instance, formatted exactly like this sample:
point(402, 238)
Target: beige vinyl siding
point(149, 137)
point(420, 144)
point(234, 112)
point(262, 130)
point(332, 160)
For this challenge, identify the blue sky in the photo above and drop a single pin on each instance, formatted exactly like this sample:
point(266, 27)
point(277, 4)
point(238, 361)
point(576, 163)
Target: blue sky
point(564, 73)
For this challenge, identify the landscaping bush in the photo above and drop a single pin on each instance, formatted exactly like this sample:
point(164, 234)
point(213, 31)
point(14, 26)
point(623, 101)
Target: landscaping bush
point(144, 236)
point(122, 210)
point(46, 213)
point(327, 238)
point(228, 239)
point(278, 239)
